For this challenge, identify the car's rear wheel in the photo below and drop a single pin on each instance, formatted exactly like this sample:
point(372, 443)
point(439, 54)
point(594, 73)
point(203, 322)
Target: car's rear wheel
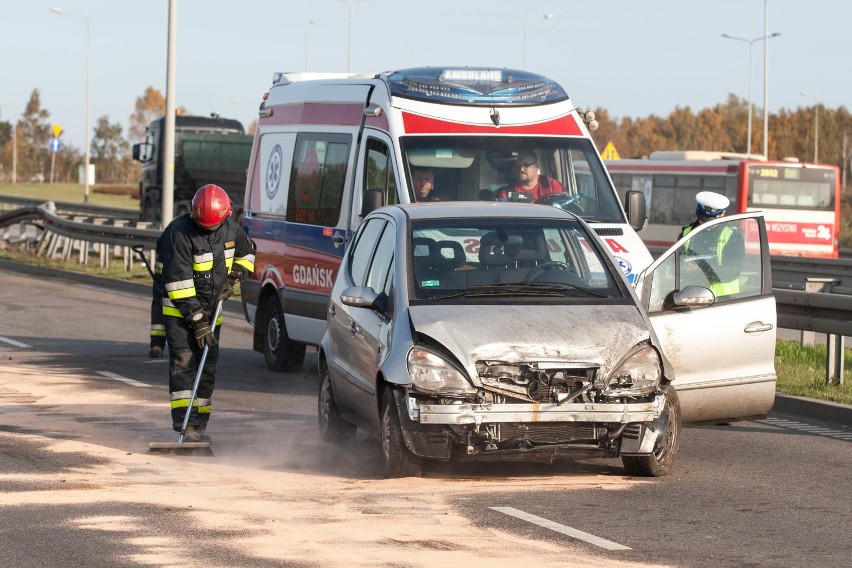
point(281, 353)
point(662, 460)
point(333, 428)
point(399, 462)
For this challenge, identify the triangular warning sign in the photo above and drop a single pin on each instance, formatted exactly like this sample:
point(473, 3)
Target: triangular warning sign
point(610, 153)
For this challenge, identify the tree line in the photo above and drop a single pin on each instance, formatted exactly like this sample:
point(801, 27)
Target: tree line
point(720, 128)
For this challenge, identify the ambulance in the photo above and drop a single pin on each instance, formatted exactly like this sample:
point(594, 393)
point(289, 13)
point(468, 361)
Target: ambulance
point(330, 148)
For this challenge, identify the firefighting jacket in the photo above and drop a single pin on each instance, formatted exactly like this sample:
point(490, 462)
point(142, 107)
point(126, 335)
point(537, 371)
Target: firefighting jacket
point(196, 263)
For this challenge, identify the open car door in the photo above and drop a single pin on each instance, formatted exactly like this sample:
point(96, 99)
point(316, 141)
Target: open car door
point(710, 302)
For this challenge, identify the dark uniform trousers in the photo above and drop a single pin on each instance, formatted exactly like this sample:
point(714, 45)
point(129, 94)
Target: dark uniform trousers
point(184, 357)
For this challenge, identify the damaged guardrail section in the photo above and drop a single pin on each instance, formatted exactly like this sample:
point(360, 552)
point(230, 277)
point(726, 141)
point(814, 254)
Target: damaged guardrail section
point(81, 236)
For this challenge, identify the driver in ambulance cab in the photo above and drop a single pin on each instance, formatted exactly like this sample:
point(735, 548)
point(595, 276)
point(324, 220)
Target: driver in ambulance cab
point(528, 181)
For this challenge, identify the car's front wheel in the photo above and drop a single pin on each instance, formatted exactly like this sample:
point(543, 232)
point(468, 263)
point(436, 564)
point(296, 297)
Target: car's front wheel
point(662, 460)
point(333, 428)
point(399, 462)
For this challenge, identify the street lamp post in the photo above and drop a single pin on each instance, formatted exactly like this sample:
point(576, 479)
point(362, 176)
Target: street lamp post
point(816, 125)
point(750, 43)
point(307, 27)
point(62, 12)
point(349, 4)
point(547, 16)
point(14, 147)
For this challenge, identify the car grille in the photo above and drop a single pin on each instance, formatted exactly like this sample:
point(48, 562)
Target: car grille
point(543, 433)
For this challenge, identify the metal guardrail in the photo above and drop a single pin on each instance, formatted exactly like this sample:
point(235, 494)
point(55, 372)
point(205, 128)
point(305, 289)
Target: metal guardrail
point(828, 311)
point(72, 208)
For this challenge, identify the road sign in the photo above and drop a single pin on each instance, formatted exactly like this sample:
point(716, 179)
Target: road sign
point(55, 145)
point(57, 130)
point(610, 153)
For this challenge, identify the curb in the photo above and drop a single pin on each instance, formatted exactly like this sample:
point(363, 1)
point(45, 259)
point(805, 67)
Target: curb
point(813, 409)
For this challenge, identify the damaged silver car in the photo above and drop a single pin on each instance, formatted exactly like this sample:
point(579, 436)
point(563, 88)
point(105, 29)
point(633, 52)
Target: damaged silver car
point(462, 331)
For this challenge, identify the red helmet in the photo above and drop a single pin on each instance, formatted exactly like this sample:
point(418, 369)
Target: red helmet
point(210, 206)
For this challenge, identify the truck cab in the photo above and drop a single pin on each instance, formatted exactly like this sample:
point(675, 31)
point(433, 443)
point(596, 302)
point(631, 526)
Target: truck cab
point(207, 150)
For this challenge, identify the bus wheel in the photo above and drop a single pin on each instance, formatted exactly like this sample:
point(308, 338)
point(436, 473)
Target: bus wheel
point(281, 353)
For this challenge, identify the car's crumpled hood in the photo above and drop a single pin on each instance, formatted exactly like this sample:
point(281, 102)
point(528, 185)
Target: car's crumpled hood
point(597, 334)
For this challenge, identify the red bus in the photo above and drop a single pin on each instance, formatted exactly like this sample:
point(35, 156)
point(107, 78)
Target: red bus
point(800, 201)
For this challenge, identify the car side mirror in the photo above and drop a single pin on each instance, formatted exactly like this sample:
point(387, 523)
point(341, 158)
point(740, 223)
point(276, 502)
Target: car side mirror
point(690, 297)
point(365, 297)
point(637, 214)
point(137, 151)
point(372, 200)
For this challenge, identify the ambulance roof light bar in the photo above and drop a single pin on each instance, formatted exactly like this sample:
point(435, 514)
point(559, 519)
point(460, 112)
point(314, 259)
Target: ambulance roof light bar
point(474, 86)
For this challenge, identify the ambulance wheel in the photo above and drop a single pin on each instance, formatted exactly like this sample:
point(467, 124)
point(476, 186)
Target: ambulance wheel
point(282, 354)
point(661, 461)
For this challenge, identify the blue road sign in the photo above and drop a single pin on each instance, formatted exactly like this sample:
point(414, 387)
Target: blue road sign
point(55, 145)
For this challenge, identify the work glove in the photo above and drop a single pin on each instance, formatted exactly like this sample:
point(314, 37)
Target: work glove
point(228, 289)
point(201, 327)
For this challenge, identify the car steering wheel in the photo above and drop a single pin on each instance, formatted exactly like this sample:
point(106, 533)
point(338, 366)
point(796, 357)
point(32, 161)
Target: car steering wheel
point(533, 274)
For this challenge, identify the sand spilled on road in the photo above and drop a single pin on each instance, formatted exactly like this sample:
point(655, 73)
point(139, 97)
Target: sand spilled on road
point(273, 491)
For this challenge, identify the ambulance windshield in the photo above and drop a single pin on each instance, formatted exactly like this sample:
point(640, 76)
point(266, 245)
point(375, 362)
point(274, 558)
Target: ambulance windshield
point(475, 86)
point(563, 172)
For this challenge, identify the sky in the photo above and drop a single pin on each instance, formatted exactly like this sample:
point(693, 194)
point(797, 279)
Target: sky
point(632, 58)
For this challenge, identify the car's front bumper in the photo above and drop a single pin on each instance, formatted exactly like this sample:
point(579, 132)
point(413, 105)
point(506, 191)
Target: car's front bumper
point(609, 413)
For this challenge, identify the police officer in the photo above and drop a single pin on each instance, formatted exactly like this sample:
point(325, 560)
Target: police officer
point(710, 205)
point(204, 254)
point(722, 250)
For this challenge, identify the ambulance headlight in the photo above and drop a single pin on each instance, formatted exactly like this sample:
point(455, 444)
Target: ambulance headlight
point(432, 374)
point(637, 374)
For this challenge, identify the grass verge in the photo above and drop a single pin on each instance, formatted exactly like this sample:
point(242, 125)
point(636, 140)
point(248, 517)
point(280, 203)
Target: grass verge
point(107, 195)
point(801, 372)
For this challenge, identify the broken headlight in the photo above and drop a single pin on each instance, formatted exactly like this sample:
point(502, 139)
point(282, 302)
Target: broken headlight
point(432, 374)
point(638, 374)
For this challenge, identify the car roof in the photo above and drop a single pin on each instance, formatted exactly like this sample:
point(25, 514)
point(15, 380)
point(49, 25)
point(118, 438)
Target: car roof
point(474, 209)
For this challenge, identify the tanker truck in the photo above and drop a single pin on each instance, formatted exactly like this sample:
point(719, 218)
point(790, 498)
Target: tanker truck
point(207, 150)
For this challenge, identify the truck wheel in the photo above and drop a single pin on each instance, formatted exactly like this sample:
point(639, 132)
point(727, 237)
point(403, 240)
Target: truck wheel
point(661, 461)
point(281, 353)
point(149, 213)
point(333, 428)
point(399, 462)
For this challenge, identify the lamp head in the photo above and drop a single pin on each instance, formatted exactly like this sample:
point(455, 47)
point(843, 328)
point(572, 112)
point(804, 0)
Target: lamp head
point(56, 10)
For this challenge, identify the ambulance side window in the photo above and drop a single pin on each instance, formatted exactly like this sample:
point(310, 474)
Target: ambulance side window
point(378, 169)
point(317, 178)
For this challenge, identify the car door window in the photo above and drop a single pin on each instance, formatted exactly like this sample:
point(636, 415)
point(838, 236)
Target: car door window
point(361, 253)
point(382, 260)
point(725, 258)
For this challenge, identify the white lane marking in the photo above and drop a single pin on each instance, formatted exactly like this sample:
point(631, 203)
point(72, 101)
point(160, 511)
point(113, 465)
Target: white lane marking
point(808, 428)
point(15, 343)
point(554, 526)
point(122, 379)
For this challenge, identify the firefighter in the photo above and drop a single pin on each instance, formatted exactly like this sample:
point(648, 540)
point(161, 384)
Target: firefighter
point(158, 324)
point(204, 255)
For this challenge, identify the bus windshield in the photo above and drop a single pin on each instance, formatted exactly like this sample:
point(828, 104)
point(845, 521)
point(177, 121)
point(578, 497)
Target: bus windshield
point(779, 187)
point(497, 168)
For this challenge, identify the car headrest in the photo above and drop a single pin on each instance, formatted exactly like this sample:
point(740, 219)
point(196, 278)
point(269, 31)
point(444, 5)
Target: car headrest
point(497, 251)
point(450, 255)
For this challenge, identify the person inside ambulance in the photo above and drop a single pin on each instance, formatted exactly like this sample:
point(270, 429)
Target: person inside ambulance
point(717, 252)
point(423, 180)
point(527, 182)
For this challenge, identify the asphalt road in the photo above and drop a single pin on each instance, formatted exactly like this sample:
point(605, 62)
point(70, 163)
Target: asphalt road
point(79, 401)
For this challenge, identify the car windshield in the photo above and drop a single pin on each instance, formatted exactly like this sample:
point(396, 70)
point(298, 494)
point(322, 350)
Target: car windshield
point(508, 260)
point(500, 168)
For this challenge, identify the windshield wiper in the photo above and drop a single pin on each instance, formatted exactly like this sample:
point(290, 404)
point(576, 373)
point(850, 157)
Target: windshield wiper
point(507, 289)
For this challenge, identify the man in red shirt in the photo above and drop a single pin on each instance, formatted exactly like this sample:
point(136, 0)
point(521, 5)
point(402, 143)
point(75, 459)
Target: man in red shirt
point(528, 182)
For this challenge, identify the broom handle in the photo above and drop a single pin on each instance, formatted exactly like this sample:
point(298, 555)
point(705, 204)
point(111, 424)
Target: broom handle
point(198, 374)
